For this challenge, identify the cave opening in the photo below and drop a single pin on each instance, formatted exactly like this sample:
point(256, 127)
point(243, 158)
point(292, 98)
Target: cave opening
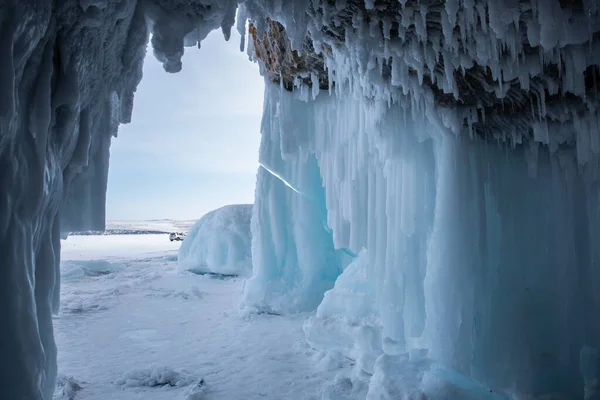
point(192, 144)
point(184, 168)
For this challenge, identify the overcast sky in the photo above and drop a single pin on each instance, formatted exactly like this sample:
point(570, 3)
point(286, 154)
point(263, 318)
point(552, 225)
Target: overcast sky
point(192, 145)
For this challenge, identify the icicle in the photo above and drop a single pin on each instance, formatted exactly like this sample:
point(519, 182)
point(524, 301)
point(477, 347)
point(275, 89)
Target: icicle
point(315, 85)
point(241, 25)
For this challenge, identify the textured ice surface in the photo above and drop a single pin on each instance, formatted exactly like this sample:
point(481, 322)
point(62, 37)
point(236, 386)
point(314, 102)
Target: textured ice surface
point(219, 243)
point(67, 78)
point(508, 70)
point(294, 260)
point(68, 72)
point(67, 388)
point(81, 269)
point(156, 375)
point(480, 253)
point(347, 320)
point(416, 378)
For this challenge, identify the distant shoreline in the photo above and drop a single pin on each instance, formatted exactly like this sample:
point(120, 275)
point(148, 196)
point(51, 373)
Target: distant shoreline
point(147, 227)
point(109, 232)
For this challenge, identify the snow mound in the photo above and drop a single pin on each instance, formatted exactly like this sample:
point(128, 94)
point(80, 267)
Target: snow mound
point(76, 269)
point(196, 392)
point(345, 387)
point(347, 321)
point(157, 375)
point(66, 388)
point(219, 243)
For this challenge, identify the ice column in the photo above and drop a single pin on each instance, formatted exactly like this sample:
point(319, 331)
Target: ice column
point(294, 260)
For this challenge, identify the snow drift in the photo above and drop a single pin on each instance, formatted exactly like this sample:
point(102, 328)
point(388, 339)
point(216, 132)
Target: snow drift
point(347, 320)
point(76, 269)
point(219, 243)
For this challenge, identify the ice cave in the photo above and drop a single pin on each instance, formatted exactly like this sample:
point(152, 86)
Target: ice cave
point(429, 184)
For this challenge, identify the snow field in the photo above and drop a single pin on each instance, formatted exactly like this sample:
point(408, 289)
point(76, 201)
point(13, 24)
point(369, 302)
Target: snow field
point(149, 331)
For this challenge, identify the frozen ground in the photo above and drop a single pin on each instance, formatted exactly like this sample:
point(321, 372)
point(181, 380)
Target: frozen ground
point(132, 327)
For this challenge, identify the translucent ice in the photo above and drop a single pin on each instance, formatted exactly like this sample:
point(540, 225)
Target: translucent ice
point(469, 253)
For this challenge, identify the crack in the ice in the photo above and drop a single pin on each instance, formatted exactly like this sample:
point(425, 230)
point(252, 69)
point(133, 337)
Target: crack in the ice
point(282, 179)
point(309, 198)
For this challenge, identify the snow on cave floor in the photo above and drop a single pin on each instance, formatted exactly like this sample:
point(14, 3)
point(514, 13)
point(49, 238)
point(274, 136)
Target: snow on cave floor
point(124, 307)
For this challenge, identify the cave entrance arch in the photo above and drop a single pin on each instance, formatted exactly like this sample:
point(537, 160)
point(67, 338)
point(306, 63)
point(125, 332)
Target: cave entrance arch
point(192, 145)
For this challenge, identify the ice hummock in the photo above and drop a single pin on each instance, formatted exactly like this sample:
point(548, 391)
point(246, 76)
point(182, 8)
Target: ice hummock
point(219, 243)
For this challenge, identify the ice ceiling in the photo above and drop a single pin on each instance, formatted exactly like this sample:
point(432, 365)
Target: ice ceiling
point(447, 153)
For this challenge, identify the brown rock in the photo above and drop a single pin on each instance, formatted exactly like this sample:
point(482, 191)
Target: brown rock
point(284, 64)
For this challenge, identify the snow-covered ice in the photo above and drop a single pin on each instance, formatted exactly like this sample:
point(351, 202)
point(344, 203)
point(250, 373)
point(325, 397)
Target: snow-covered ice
point(152, 332)
point(157, 225)
point(67, 388)
point(347, 321)
point(157, 375)
point(219, 243)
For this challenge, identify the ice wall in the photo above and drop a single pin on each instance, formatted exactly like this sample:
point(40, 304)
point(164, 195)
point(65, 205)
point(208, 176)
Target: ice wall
point(66, 82)
point(68, 72)
point(480, 254)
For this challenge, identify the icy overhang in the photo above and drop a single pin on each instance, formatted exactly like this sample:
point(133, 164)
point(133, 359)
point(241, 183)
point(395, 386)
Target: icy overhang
point(509, 70)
